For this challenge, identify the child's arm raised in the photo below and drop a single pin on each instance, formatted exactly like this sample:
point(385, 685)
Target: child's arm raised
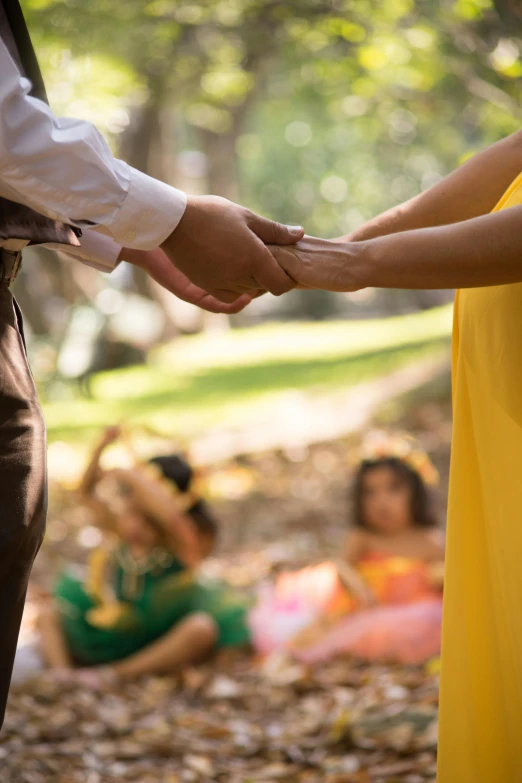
point(153, 499)
point(91, 477)
point(94, 472)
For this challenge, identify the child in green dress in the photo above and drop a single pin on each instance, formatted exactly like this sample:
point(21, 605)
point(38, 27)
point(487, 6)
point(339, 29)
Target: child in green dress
point(142, 608)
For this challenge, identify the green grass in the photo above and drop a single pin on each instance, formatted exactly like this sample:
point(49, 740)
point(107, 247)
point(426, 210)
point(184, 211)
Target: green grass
point(221, 378)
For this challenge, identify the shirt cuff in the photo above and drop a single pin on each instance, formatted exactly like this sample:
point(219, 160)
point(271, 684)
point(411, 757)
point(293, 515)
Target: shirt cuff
point(150, 213)
point(96, 250)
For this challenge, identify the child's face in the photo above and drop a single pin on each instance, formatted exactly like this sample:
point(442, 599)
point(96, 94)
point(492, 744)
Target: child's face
point(135, 530)
point(386, 501)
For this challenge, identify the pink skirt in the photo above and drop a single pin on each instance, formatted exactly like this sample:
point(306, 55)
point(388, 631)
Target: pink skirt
point(408, 634)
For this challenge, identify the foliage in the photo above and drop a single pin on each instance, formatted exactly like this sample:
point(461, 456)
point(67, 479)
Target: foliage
point(325, 111)
point(321, 113)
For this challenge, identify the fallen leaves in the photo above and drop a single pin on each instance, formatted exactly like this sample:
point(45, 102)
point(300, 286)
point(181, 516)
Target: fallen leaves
point(236, 720)
point(234, 723)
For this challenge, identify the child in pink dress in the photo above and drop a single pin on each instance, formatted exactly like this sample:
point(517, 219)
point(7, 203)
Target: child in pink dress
point(383, 601)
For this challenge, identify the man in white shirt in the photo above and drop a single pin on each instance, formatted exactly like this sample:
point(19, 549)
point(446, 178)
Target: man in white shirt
point(60, 185)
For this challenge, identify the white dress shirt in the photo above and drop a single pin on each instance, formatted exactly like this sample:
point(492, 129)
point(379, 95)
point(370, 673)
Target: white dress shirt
point(63, 168)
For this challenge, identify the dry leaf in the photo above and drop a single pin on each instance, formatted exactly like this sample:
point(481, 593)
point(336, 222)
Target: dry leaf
point(200, 764)
point(223, 687)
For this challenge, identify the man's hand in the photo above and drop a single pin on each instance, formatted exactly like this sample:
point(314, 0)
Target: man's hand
point(330, 265)
point(163, 271)
point(221, 247)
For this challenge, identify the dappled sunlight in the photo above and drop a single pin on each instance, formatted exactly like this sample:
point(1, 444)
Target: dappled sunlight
point(244, 566)
point(311, 341)
point(192, 385)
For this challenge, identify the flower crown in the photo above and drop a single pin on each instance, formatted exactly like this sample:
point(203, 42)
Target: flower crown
point(183, 500)
point(379, 445)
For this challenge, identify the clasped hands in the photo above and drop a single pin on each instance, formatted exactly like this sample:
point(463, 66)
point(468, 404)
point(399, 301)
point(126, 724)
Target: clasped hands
point(221, 256)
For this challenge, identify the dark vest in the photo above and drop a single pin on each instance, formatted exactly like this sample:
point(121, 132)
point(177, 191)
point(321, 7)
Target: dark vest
point(18, 221)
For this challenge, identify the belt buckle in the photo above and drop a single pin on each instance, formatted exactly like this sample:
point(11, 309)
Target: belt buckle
point(11, 264)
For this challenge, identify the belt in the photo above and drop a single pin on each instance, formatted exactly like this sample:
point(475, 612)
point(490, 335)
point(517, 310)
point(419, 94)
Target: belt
point(10, 264)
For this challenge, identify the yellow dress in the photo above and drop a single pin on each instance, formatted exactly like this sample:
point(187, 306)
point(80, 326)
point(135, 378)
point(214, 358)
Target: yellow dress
point(481, 676)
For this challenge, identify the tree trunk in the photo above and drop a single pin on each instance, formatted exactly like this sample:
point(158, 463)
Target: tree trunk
point(511, 14)
point(146, 146)
point(222, 174)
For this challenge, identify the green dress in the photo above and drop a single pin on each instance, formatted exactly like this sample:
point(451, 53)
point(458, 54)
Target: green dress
point(148, 599)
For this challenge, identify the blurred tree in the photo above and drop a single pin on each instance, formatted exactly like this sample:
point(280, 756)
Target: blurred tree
point(510, 12)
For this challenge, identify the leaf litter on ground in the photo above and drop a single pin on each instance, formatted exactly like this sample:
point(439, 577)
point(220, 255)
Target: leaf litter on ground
point(238, 719)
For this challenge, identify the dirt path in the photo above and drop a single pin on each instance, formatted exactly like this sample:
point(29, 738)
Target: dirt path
point(296, 419)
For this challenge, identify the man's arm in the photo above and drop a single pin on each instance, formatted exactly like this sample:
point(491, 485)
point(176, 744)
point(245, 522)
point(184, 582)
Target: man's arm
point(470, 191)
point(96, 250)
point(63, 168)
point(483, 251)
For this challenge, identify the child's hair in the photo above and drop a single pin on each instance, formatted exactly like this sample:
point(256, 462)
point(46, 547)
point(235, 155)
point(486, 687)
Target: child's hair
point(421, 504)
point(177, 470)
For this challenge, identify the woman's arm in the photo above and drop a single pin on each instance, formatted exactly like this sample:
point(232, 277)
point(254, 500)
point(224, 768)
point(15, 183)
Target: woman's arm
point(483, 251)
point(152, 499)
point(470, 191)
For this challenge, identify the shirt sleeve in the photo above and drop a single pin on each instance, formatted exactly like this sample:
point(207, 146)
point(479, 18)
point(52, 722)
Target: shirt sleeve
point(96, 250)
point(64, 168)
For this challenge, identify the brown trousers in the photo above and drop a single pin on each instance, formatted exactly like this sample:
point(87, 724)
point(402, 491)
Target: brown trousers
point(23, 490)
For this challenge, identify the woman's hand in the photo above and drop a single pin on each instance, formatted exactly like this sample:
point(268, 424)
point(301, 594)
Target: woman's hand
point(330, 265)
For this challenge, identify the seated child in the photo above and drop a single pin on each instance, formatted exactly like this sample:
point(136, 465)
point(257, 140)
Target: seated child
point(383, 600)
point(142, 609)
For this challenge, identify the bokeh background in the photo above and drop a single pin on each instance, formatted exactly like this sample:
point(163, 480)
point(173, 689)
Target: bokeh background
point(321, 113)
point(315, 113)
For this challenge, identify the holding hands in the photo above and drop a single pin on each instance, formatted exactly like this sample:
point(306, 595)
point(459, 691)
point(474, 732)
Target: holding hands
point(331, 265)
point(221, 256)
point(217, 258)
point(221, 247)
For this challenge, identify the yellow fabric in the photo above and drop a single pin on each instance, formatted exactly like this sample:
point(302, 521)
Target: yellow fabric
point(481, 673)
point(97, 576)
